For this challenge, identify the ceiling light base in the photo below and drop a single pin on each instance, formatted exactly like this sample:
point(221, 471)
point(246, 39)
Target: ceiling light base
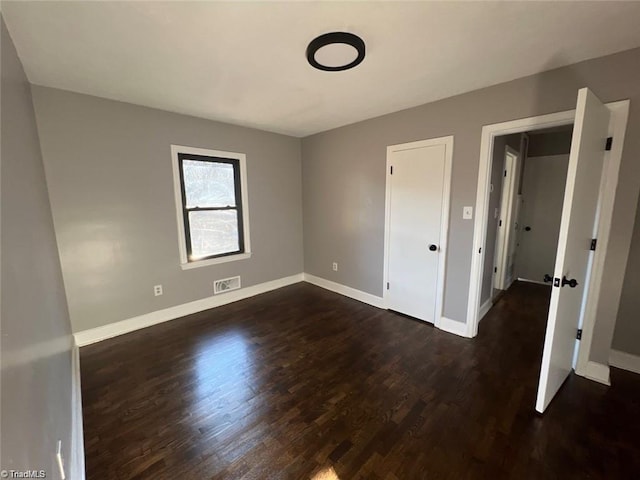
point(332, 38)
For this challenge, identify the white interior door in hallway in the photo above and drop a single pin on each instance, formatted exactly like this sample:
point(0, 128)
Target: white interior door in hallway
point(505, 247)
point(418, 180)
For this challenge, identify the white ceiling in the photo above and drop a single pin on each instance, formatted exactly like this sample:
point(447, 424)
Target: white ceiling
point(244, 62)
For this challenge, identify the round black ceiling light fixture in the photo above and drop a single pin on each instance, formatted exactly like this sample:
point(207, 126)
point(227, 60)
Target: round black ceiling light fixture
point(335, 51)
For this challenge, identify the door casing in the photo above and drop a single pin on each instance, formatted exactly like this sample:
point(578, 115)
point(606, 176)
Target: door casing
point(505, 234)
point(609, 183)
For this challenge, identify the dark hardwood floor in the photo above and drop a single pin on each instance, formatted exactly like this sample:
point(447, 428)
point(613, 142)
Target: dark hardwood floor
point(301, 383)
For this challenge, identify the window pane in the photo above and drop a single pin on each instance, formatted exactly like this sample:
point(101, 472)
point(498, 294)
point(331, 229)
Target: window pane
point(208, 184)
point(213, 232)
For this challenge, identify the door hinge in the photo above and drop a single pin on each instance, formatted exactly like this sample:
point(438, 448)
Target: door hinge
point(391, 173)
point(579, 334)
point(387, 285)
point(505, 173)
point(500, 223)
point(594, 242)
point(607, 146)
point(480, 250)
point(495, 269)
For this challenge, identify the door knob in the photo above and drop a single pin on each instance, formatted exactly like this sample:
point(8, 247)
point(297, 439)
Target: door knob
point(548, 278)
point(573, 283)
point(433, 247)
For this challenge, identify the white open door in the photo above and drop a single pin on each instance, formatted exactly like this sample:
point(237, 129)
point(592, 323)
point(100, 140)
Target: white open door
point(577, 228)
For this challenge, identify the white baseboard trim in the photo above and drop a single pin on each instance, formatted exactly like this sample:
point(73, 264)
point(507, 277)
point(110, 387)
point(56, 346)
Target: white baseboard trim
point(533, 281)
point(359, 295)
point(452, 326)
point(76, 467)
point(597, 372)
point(445, 324)
point(484, 309)
point(93, 335)
point(625, 361)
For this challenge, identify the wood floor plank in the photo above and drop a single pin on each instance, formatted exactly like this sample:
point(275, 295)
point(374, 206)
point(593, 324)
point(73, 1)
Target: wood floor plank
point(302, 383)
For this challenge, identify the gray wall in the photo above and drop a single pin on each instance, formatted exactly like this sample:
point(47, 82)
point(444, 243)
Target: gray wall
point(109, 172)
point(627, 332)
point(497, 166)
point(344, 177)
point(36, 334)
point(552, 143)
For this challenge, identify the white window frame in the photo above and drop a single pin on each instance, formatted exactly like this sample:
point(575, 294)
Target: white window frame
point(185, 264)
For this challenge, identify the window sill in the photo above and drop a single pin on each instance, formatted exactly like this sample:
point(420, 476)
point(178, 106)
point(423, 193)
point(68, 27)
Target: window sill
point(215, 261)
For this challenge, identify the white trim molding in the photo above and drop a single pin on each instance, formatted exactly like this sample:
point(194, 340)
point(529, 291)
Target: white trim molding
point(215, 261)
point(489, 132)
point(77, 470)
point(452, 326)
point(98, 334)
point(444, 324)
point(597, 372)
point(185, 264)
point(507, 206)
point(624, 360)
point(609, 184)
point(359, 295)
point(93, 335)
point(448, 142)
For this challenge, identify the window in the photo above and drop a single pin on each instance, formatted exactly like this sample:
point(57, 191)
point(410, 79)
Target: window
point(211, 204)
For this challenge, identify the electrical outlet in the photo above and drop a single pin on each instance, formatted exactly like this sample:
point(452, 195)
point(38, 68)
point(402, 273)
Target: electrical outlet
point(335, 266)
point(157, 290)
point(467, 213)
point(60, 460)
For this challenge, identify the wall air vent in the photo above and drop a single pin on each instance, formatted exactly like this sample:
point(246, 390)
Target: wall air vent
point(226, 285)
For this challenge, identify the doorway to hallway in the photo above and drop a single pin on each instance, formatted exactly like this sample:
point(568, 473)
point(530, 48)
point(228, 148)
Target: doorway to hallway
point(577, 274)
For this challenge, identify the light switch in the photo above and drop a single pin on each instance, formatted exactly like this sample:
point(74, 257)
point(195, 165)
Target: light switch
point(467, 213)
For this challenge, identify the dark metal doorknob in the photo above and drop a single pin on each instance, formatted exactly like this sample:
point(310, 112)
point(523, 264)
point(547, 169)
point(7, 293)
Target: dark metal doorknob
point(548, 278)
point(433, 247)
point(573, 283)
